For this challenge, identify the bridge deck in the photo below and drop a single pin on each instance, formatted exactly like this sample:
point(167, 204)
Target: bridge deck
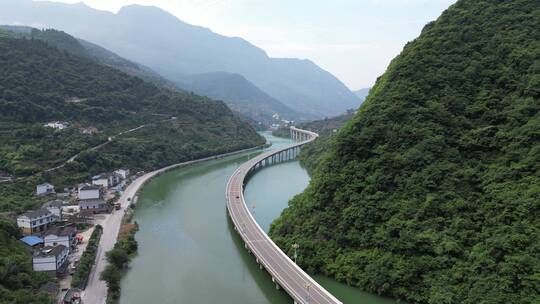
point(298, 284)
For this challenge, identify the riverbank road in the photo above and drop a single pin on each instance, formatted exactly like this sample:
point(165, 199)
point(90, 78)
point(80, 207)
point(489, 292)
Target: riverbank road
point(96, 289)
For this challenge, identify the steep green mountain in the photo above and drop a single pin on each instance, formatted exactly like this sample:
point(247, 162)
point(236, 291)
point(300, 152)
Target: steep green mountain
point(40, 83)
point(240, 95)
point(431, 192)
point(175, 49)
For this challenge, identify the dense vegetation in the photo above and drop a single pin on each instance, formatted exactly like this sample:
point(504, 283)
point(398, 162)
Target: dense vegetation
point(431, 192)
point(40, 83)
point(50, 77)
point(118, 258)
point(18, 283)
point(88, 259)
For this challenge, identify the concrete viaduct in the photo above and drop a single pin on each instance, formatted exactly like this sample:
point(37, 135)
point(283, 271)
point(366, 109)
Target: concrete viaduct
point(284, 272)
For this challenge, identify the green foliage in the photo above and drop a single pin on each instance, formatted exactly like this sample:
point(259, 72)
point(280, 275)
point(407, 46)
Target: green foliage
point(40, 83)
point(118, 257)
point(430, 193)
point(18, 283)
point(88, 259)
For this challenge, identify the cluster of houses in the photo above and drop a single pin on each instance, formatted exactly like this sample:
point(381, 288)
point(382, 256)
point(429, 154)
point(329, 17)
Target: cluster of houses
point(51, 235)
point(280, 122)
point(58, 125)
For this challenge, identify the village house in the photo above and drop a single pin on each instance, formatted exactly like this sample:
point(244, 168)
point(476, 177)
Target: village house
point(44, 189)
point(61, 236)
point(51, 259)
point(34, 221)
point(100, 180)
point(90, 192)
point(106, 180)
point(93, 206)
point(122, 173)
point(58, 125)
point(54, 207)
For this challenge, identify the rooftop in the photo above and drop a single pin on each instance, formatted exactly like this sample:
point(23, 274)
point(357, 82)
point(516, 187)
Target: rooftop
point(61, 231)
point(32, 240)
point(101, 176)
point(90, 187)
point(50, 251)
point(54, 203)
point(91, 201)
point(35, 213)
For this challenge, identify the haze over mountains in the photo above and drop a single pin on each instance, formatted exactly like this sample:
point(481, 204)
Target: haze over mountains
point(178, 50)
point(362, 93)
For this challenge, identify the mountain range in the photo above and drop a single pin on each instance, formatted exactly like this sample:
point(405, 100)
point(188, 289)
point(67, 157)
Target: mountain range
point(177, 50)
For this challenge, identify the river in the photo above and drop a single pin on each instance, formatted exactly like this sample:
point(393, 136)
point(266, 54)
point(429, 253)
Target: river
point(188, 249)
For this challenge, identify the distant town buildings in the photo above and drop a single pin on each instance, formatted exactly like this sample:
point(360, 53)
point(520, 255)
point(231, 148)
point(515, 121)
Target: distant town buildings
point(89, 130)
point(58, 125)
point(44, 189)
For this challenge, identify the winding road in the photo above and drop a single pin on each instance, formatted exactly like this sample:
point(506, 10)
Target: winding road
point(285, 273)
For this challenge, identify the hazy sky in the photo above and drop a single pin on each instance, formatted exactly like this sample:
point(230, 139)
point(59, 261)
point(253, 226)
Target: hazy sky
point(353, 39)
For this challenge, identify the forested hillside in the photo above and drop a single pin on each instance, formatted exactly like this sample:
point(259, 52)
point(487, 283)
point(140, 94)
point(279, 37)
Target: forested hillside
point(88, 50)
point(40, 83)
point(18, 283)
point(431, 192)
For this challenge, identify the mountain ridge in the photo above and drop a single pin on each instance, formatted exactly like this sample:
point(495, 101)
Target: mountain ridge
point(175, 49)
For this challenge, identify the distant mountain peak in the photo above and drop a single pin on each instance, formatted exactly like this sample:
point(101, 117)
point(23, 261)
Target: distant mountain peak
point(148, 11)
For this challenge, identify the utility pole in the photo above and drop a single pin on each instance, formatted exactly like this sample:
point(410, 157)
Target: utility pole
point(295, 246)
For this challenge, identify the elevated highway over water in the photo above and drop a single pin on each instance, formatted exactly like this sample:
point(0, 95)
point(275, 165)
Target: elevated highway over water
point(284, 272)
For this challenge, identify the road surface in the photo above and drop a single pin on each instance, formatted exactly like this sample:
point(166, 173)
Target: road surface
point(298, 284)
point(96, 289)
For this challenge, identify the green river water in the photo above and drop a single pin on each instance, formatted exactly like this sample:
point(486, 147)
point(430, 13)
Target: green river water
point(188, 249)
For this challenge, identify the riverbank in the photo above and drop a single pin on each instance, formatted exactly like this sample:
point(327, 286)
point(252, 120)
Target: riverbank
point(189, 249)
point(96, 289)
